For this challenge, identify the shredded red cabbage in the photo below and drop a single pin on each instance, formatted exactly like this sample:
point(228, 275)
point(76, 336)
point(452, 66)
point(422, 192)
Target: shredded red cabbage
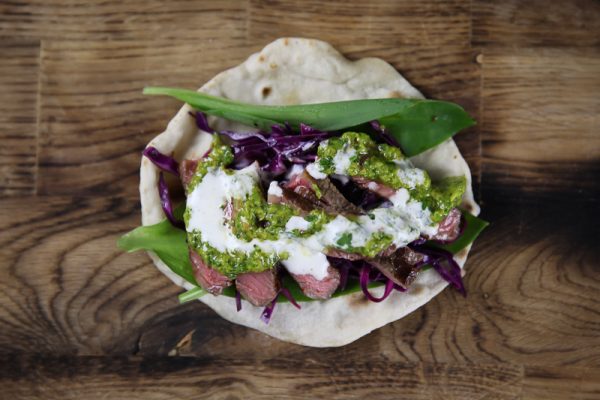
point(201, 121)
point(268, 311)
point(344, 266)
point(284, 291)
point(238, 301)
point(165, 202)
point(163, 162)
point(275, 151)
point(383, 135)
point(445, 265)
point(365, 273)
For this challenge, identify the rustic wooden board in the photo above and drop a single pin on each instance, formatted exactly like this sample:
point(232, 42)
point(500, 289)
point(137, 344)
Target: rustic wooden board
point(540, 121)
point(160, 378)
point(18, 102)
point(74, 309)
point(65, 288)
point(94, 121)
point(371, 23)
point(81, 20)
point(536, 23)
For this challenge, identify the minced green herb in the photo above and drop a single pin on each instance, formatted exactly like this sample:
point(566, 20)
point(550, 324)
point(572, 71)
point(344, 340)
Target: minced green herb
point(220, 156)
point(317, 219)
point(376, 243)
point(254, 218)
point(380, 163)
point(233, 263)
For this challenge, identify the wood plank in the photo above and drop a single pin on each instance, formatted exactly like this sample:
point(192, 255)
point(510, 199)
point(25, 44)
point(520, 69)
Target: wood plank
point(95, 120)
point(387, 22)
point(555, 383)
point(64, 286)
point(536, 23)
point(18, 102)
point(167, 378)
point(81, 20)
point(540, 118)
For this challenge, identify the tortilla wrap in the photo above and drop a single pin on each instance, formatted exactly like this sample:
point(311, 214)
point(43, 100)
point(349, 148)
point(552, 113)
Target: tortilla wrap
point(297, 71)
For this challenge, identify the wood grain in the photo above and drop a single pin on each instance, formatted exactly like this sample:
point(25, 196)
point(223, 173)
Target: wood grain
point(81, 20)
point(64, 286)
point(373, 23)
point(18, 102)
point(160, 378)
point(74, 309)
point(536, 23)
point(552, 383)
point(94, 120)
point(540, 132)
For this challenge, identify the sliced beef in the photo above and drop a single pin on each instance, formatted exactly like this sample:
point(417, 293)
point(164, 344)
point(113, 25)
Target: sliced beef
point(259, 288)
point(319, 289)
point(402, 267)
point(208, 278)
point(337, 253)
point(322, 194)
point(359, 196)
point(449, 228)
point(376, 187)
point(187, 168)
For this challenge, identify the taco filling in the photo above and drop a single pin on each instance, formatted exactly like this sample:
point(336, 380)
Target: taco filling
point(307, 214)
point(243, 225)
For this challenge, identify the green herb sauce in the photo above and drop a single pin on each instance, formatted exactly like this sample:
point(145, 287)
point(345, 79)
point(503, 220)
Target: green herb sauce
point(381, 163)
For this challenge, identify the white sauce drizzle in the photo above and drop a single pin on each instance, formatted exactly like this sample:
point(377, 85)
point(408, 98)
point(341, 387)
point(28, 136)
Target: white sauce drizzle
point(297, 223)
point(405, 221)
point(275, 189)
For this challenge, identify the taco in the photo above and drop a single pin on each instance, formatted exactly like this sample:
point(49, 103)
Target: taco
point(319, 221)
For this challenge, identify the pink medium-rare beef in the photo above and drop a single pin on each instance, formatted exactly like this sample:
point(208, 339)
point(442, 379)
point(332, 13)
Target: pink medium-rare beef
point(322, 194)
point(300, 203)
point(376, 187)
point(402, 267)
point(187, 168)
point(449, 228)
point(319, 289)
point(208, 278)
point(259, 288)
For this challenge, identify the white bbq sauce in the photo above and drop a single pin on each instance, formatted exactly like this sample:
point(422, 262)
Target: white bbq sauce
point(405, 221)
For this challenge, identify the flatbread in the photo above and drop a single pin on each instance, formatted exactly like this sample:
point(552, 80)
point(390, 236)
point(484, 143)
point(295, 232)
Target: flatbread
point(297, 71)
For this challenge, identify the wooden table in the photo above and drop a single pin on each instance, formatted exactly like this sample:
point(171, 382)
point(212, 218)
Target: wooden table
point(79, 319)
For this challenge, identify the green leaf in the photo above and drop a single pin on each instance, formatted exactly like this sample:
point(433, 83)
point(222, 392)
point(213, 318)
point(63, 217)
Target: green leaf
point(192, 294)
point(169, 244)
point(417, 124)
point(426, 124)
